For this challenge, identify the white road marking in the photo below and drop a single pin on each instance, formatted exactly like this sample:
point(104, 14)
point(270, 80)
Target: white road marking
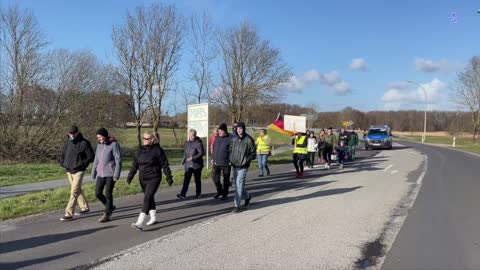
point(394, 172)
point(420, 178)
point(387, 168)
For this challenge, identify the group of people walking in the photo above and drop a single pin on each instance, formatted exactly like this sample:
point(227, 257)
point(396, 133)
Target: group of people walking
point(306, 145)
point(232, 155)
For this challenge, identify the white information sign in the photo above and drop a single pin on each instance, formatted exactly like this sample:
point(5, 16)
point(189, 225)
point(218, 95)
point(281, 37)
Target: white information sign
point(295, 123)
point(198, 119)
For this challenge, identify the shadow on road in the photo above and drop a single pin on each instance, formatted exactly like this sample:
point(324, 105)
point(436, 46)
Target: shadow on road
point(258, 186)
point(21, 264)
point(320, 193)
point(37, 241)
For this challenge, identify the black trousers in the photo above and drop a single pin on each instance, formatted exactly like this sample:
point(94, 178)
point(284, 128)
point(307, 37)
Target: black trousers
point(108, 184)
point(311, 159)
point(197, 174)
point(298, 160)
point(327, 154)
point(320, 153)
point(218, 171)
point(149, 189)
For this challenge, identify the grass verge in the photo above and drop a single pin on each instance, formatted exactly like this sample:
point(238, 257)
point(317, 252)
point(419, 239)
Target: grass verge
point(46, 201)
point(463, 144)
point(26, 173)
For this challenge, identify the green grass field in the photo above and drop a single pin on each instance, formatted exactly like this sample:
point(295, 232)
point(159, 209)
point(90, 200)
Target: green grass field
point(17, 174)
point(462, 144)
point(46, 201)
point(22, 173)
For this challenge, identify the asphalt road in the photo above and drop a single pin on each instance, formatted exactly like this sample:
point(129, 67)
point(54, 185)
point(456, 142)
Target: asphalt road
point(44, 242)
point(442, 229)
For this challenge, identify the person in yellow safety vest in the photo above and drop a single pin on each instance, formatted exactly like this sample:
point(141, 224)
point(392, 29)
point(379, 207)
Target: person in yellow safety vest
point(300, 152)
point(264, 148)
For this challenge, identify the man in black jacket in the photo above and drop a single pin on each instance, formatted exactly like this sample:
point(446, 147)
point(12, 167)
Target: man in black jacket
point(221, 164)
point(242, 152)
point(193, 162)
point(76, 155)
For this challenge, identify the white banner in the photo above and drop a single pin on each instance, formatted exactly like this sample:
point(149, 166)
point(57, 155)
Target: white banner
point(295, 123)
point(198, 119)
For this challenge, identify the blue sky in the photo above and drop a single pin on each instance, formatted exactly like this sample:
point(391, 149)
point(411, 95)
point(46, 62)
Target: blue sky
point(342, 53)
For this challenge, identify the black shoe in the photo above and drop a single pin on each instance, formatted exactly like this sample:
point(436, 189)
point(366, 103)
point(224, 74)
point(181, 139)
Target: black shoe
point(236, 210)
point(260, 175)
point(217, 196)
point(181, 197)
point(224, 197)
point(105, 217)
point(66, 218)
point(199, 196)
point(247, 201)
point(268, 173)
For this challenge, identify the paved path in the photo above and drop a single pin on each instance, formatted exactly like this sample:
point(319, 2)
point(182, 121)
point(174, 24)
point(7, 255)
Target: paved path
point(17, 190)
point(319, 224)
point(442, 230)
point(43, 242)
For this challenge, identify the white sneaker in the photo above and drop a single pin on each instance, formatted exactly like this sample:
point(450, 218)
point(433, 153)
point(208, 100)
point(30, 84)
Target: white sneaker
point(328, 167)
point(153, 217)
point(341, 166)
point(140, 222)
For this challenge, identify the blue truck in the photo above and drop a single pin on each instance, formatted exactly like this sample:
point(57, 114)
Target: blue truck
point(379, 137)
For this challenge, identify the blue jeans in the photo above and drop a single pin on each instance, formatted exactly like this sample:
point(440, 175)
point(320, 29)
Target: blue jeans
point(262, 163)
point(240, 190)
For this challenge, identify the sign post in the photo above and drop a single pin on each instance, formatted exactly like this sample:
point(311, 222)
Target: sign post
point(198, 120)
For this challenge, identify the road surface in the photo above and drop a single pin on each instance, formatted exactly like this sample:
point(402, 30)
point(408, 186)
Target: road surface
point(442, 229)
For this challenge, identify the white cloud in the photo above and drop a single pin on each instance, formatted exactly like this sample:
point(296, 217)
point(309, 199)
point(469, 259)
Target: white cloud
point(398, 85)
point(335, 83)
point(358, 64)
point(312, 75)
point(297, 84)
point(333, 80)
point(396, 98)
point(429, 66)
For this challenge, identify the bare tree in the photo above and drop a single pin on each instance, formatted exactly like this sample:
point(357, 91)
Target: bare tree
point(71, 75)
point(467, 93)
point(203, 52)
point(148, 48)
point(21, 43)
point(127, 40)
point(252, 70)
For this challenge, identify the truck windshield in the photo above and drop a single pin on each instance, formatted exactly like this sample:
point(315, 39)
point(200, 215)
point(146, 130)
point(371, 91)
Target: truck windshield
point(377, 132)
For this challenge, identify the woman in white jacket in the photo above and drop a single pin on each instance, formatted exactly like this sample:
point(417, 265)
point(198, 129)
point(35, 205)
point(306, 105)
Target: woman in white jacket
point(312, 149)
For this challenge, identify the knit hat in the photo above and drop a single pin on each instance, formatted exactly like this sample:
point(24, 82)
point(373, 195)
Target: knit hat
point(73, 130)
point(102, 131)
point(241, 125)
point(223, 127)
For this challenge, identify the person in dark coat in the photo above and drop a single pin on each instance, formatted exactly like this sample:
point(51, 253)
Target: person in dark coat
point(221, 163)
point(242, 152)
point(149, 160)
point(193, 162)
point(77, 154)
